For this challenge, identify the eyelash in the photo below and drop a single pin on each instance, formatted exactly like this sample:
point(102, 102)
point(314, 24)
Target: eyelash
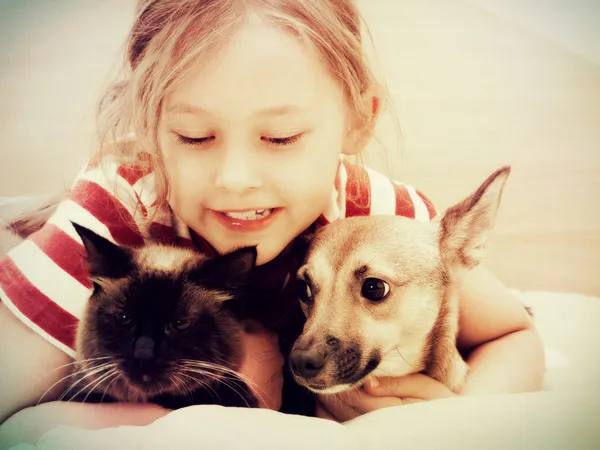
point(198, 142)
point(283, 142)
point(191, 142)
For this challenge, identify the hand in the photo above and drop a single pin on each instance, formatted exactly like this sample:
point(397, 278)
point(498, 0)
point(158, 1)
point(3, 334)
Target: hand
point(381, 393)
point(263, 364)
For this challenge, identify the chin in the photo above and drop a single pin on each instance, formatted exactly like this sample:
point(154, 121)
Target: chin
point(266, 254)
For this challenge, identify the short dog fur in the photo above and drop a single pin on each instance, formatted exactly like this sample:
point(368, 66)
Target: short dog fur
point(380, 295)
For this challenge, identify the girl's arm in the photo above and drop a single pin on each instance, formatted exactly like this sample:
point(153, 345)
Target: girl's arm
point(30, 365)
point(504, 350)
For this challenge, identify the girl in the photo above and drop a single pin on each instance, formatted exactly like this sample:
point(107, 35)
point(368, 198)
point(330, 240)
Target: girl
point(227, 130)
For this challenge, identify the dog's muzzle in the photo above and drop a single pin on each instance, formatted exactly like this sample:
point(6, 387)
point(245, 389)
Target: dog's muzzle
point(322, 366)
point(307, 364)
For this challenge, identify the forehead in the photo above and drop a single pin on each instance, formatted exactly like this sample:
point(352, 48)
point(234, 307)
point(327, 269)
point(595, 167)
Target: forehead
point(396, 248)
point(163, 294)
point(260, 67)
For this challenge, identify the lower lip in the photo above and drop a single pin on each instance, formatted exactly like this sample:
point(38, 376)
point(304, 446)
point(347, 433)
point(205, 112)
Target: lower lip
point(240, 225)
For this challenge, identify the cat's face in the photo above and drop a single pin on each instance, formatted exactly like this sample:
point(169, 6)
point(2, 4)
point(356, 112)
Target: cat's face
point(161, 319)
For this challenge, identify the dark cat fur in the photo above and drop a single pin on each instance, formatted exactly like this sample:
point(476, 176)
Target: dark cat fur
point(153, 309)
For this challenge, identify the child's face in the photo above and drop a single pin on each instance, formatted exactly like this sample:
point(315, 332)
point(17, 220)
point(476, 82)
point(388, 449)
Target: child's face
point(263, 126)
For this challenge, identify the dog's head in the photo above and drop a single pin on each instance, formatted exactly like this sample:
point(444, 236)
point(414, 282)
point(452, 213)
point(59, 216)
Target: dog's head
point(372, 289)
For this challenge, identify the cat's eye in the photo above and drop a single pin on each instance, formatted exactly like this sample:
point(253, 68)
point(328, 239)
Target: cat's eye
point(375, 290)
point(182, 324)
point(303, 291)
point(177, 325)
point(124, 319)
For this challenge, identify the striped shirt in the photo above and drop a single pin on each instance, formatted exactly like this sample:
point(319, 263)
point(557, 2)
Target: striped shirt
point(43, 280)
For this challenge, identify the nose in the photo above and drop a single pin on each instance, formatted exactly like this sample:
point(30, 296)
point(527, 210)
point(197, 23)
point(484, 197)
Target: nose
point(307, 363)
point(144, 348)
point(236, 172)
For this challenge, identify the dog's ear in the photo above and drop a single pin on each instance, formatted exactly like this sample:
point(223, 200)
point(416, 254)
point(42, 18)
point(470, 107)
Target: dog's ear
point(465, 226)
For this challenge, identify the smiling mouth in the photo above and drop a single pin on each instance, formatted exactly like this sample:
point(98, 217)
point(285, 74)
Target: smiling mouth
point(256, 214)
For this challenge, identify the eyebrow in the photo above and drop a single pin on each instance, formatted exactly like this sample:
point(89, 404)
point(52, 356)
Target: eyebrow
point(185, 108)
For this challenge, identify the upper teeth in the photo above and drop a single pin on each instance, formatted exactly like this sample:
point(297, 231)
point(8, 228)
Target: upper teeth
point(250, 215)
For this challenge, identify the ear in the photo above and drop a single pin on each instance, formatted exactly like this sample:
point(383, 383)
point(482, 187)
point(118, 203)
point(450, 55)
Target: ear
point(465, 226)
point(104, 259)
point(228, 270)
point(358, 138)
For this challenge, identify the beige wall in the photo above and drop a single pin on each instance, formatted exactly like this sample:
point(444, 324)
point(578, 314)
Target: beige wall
point(473, 91)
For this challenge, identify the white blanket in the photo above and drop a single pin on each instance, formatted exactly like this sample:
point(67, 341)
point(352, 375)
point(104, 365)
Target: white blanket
point(564, 416)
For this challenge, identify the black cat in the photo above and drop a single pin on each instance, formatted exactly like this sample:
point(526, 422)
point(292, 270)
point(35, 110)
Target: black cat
point(163, 325)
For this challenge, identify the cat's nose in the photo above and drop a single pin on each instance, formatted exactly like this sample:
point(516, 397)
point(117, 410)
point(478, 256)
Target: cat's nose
point(307, 363)
point(144, 348)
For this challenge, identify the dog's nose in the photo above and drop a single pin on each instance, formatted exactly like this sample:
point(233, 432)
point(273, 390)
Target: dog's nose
point(307, 363)
point(144, 348)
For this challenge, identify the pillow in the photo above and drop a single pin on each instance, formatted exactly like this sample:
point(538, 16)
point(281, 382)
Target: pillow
point(563, 416)
point(541, 420)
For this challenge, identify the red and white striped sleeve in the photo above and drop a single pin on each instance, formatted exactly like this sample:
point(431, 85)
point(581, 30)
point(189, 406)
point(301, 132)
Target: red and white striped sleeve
point(368, 193)
point(43, 280)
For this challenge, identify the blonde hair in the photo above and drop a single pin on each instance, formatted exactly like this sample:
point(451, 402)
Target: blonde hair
point(169, 35)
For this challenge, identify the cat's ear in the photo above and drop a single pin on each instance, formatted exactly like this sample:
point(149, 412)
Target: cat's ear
point(104, 259)
point(228, 270)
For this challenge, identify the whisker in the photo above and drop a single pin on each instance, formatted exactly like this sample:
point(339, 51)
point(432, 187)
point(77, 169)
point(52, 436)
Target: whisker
point(81, 361)
point(88, 373)
point(231, 385)
point(93, 382)
point(230, 382)
point(176, 385)
point(402, 356)
point(58, 382)
point(100, 381)
point(226, 371)
point(109, 385)
point(203, 384)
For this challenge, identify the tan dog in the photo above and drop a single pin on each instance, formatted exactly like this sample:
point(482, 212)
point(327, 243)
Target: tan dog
point(380, 295)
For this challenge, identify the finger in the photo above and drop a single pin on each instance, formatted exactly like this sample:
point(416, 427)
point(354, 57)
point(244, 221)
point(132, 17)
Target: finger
point(351, 404)
point(338, 408)
point(409, 400)
point(322, 413)
point(414, 385)
point(367, 403)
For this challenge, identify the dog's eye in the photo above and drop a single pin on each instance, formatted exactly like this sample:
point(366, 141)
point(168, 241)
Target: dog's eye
point(374, 289)
point(303, 290)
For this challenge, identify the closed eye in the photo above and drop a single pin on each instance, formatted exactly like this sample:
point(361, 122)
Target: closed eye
point(282, 142)
point(193, 142)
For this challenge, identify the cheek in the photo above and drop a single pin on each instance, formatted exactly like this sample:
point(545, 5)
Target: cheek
point(187, 180)
point(418, 309)
point(380, 333)
point(308, 183)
